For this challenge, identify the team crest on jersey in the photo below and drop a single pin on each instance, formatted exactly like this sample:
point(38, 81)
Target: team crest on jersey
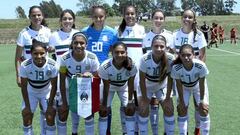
point(49, 73)
point(84, 97)
point(87, 67)
point(105, 38)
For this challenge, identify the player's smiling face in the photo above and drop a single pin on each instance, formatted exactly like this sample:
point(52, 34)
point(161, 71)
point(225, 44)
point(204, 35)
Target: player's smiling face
point(119, 54)
point(158, 47)
point(39, 56)
point(158, 19)
point(188, 18)
point(36, 16)
point(186, 57)
point(67, 22)
point(79, 45)
point(98, 17)
point(130, 16)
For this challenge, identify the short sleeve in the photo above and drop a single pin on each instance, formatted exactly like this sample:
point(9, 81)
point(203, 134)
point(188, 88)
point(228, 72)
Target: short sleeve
point(102, 72)
point(174, 73)
point(95, 64)
point(133, 71)
point(204, 71)
point(143, 65)
point(23, 72)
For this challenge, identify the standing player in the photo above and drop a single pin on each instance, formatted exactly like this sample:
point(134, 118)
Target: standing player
point(205, 29)
point(77, 61)
point(118, 76)
point(221, 34)
point(60, 41)
point(158, 18)
point(233, 35)
point(190, 76)
point(100, 39)
point(155, 67)
point(36, 30)
point(38, 79)
point(131, 34)
point(189, 34)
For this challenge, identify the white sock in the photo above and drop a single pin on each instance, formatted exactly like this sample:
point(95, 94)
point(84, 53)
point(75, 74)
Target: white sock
point(197, 119)
point(28, 130)
point(75, 122)
point(143, 125)
point(89, 126)
point(169, 123)
point(183, 125)
point(50, 130)
point(123, 123)
point(61, 127)
point(42, 123)
point(136, 122)
point(154, 118)
point(130, 124)
point(205, 125)
point(102, 125)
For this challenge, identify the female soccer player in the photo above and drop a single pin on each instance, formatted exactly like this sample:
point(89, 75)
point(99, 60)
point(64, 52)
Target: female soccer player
point(38, 79)
point(60, 41)
point(132, 34)
point(118, 75)
point(154, 71)
point(190, 74)
point(189, 34)
point(36, 30)
point(101, 38)
point(158, 18)
point(77, 61)
point(221, 34)
point(233, 35)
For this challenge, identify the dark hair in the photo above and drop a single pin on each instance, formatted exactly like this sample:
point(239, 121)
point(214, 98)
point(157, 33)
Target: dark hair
point(71, 13)
point(194, 25)
point(36, 43)
point(93, 10)
point(158, 10)
point(178, 59)
point(78, 34)
point(127, 63)
point(44, 23)
point(164, 59)
point(123, 24)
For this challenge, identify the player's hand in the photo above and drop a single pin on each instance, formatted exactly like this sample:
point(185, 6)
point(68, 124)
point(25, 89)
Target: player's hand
point(182, 109)
point(63, 112)
point(18, 80)
point(26, 111)
point(130, 109)
point(144, 106)
point(203, 109)
point(103, 111)
point(87, 74)
point(50, 111)
point(167, 105)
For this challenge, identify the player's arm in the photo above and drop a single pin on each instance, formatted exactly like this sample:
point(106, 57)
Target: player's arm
point(106, 87)
point(130, 88)
point(142, 77)
point(53, 91)
point(18, 60)
point(169, 86)
point(24, 82)
point(202, 88)
point(63, 72)
point(202, 54)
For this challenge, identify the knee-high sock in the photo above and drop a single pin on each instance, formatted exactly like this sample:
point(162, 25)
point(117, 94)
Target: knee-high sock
point(61, 127)
point(102, 125)
point(50, 130)
point(75, 122)
point(136, 122)
point(205, 125)
point(28, 130)
point(130, 124)
point(154, 118)
point(197, 119)
point(183, 125)
point(169, 125)
point(89, 126)
point(42, 123)
point(122, 116)
point(143, 125)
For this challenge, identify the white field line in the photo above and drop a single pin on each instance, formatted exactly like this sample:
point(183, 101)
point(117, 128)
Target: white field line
point(226, 51)
point(209, 55)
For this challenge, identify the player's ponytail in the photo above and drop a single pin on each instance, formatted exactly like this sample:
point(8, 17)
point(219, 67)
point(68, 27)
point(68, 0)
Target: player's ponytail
point(127, 63)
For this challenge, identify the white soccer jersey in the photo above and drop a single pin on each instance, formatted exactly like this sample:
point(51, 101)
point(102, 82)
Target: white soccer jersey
point(151, 69)
point(61, 41)
point(147, 40)
point(26, 36)
point(180, 38)
point(190, 78)
point(90, 63)
point(132, 37)
point(118, 78)
point(39, 77)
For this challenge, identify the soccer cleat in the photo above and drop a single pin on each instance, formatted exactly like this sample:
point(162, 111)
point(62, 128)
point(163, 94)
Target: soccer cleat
point(74, 133)
point(197, 131)
point(108, 133)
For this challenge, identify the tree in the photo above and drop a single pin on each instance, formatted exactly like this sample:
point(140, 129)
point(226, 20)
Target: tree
point(229, 4)
point(167, 6)
point(51, 9)
point(20, 12)
point(85, 5)
point(109, 10)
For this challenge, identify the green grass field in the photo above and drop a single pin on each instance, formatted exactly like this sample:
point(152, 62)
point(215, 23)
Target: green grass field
point(223, 82)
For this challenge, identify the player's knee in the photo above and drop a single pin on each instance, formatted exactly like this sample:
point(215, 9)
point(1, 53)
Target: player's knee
point(50, 118)
point(27, 118)
point(103, 113)
point(154, 102)
point(181, 112)
point(129, 111)
point(144, 111)
point(168, 111)
point(63, 115)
